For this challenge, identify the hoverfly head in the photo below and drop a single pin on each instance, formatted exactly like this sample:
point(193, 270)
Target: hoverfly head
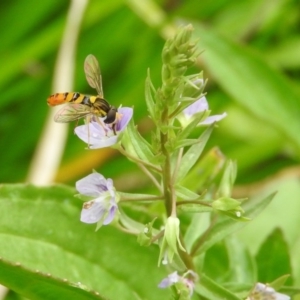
point(111, 115)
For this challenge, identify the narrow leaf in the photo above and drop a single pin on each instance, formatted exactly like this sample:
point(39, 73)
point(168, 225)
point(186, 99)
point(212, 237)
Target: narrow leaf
point(212, 290)
point(193, 153)
point(148, 96)
point(136, 144)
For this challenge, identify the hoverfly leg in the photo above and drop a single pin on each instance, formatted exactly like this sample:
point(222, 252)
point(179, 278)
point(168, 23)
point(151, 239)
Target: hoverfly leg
point(114, 128)
point(99, 121)
point(88, 122)
point(76, 124)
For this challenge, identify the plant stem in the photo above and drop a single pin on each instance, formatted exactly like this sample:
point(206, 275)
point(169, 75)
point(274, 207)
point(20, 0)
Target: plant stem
point(137, 160)
point(202, 238)
point(193, 202)
point(150, 175)
point(154, 198)
point(166, 176)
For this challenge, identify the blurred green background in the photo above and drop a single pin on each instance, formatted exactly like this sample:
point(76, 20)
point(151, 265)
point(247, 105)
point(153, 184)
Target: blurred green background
point(251, 58)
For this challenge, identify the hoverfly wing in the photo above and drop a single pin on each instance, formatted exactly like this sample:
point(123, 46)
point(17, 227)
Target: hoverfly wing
point(71, 112)
point(93, 74)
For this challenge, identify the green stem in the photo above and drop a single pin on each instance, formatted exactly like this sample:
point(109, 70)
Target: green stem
point(186, 257)
point(166, 176)
point(154, 198)
point(193, 202)
point(150, 175)
point(137, 160)
point(157, 237)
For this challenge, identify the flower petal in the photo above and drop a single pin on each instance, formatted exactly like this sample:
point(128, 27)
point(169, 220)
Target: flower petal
point(92, 211)
point(126, 113)
point(171, 279)
point(90, 133)
point(212, 119)
point(198, 106)
point(92, 185)
point(111, 213)
point(105, 142)
point(266, 291)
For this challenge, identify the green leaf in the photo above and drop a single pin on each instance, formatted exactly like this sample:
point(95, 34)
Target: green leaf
point(279, 282)
point(37, 285)
point(242, 266)
point(238, 70)
point(209, 289)
point(40, 229)
point(185, 193)
point(193, 153)
point(205, 170)
point(148, 97)
point(132, 196)
point(228, 179)
point(136, 145)
point(225, 225)
point(216, 263)
point(226, 203)
point(196, 119)
point(196, 227)
point(184, 143)
point(194, 208)
point(277, 264)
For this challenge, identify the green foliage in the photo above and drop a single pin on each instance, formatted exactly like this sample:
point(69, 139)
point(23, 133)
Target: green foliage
point(268, 268)
point(43, 230)
point(251, 58)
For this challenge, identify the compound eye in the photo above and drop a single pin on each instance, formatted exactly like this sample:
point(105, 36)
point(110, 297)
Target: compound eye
point(111, 116)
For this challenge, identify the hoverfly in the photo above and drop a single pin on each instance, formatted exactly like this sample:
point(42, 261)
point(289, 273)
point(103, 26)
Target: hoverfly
point(78, 105)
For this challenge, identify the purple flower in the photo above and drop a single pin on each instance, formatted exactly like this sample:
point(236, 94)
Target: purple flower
point(170, 280)
point(98, 136)
point(201, 105)
point(182, 281)
point(103, 208)
point(263, 291)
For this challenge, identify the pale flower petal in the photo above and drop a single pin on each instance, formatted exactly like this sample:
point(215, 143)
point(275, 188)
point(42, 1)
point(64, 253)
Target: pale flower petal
point(198, 106)
point(212, 119)
point(92, 211)
point(174, 278)
point(201, 105)
point(91, 185)
point(168, 281)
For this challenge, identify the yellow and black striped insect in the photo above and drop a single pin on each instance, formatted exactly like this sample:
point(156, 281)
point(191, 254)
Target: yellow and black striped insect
point(78, 105)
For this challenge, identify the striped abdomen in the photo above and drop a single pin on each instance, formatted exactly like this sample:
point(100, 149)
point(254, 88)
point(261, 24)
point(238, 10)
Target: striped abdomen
point(60, 98)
